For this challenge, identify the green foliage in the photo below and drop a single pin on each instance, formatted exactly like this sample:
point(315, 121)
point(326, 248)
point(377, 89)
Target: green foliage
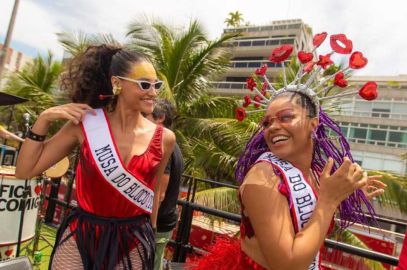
point(37, 82)
point(396, 192)
point(348, 237)
point(77, 43)
point(234, 19)
point(187, 61)
point(221, 198)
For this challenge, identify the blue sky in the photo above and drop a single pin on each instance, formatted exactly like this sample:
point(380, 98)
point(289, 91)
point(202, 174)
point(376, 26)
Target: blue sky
point(376, 27)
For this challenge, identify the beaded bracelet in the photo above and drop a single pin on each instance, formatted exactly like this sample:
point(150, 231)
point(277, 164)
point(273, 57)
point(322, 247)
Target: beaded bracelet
point(35, 137)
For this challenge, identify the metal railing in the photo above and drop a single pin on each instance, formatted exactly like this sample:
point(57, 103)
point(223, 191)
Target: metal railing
point(182, 245)
point(254, 64)
point(296, 25)
point(262, 42)
point(370, 114)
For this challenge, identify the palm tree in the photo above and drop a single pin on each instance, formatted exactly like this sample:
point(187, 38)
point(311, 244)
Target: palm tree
point(37, 82)
point(77, 43)
point(396, 192)
point(234, 19)
point(188, 61)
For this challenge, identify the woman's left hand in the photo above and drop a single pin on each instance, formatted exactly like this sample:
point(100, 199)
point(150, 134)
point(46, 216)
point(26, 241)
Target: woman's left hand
point(374, 186)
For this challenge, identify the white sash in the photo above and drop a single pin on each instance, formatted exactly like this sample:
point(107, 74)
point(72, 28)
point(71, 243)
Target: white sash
point(302, 195)
point(110, 165)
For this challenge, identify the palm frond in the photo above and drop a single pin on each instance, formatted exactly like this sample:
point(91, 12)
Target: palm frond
point(396, 192)
point(77, 43)
point(221, 198)
point(348, 237)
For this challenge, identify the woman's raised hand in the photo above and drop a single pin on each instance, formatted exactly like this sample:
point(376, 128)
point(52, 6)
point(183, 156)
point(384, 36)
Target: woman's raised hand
point(336, 187)
point(73, 112)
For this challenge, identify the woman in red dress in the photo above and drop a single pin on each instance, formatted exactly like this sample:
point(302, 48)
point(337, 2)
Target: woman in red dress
point(294, 177)
point(122, 154)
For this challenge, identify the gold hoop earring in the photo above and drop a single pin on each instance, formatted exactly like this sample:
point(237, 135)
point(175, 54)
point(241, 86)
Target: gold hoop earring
point(116, 90)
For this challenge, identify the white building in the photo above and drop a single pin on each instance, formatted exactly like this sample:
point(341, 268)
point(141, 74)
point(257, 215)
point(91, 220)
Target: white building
point(15, 61)
point(377, 130)
point(254, 47)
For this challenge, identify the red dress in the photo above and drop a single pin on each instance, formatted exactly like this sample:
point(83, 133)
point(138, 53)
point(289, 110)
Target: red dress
point(107, 226)
point(104, 200)
point(226, 254)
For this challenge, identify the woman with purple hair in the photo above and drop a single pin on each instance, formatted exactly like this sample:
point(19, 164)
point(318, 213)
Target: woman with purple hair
point(294, 177)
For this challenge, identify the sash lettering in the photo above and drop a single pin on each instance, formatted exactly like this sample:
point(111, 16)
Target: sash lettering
point(109, 164)
point(302, 196)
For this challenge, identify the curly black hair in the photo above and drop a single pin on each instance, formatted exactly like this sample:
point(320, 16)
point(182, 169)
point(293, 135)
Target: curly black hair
point(88, 75)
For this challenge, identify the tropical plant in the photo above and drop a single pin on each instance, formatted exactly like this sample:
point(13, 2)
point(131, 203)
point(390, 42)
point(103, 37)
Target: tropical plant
point(234, 19)
point(77, 43)
point(395, 193)
point(346, 236)
point(188, 61)
point(37, 82)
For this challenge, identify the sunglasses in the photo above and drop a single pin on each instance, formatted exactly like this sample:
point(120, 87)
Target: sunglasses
point(283, 118)
point(144, 85)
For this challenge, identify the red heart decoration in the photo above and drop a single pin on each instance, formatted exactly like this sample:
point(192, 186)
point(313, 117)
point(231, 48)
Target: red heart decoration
point(247, 101)
point(319, 38)
point(308, 67)
point(9, 252)
point(339, 81)
point(240, 114)
point(37, 189)
point(357, 60)
point(305, 57)
point(281, 53)
point(346, 44)
point(369, 91)
point(262, 70)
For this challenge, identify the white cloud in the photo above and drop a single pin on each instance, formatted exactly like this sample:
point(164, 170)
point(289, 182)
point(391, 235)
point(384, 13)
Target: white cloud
point(376, 27)
point(33, 26)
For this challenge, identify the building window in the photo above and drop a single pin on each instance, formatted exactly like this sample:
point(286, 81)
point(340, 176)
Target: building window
point(240, 64)
point(377, 135)
point(383, 113)
point(273, 42)
point(359, 133)
point(245, 43)
point(344, 130)
point(254, 64)
point(398, 137)
point(259, 43)
point(287, 41)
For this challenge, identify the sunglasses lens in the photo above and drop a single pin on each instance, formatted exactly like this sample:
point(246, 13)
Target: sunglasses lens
point(158, 85)
point(145, 85)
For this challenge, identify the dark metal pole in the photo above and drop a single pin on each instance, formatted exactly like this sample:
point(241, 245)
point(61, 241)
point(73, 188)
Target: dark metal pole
point(3, 53)
point(10, 118)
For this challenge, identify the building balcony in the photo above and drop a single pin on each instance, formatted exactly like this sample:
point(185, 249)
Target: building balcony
point(288, 25)
point(246, 67)
point(229, 88)
point(399, 146)
point(259, 47)
point(393, 119)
